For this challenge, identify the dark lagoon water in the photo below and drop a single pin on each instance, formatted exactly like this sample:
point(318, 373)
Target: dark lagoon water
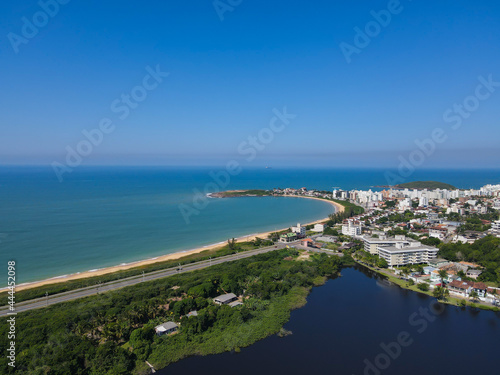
point(344, 326)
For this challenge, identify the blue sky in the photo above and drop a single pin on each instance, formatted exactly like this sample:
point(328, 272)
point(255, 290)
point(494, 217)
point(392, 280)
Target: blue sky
point(227, 76)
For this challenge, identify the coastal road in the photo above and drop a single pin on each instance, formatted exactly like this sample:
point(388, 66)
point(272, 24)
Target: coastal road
point(117, 284)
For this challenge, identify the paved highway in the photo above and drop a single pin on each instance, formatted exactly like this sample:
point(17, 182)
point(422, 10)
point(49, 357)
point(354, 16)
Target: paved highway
point(113, 285)
point(117, 284)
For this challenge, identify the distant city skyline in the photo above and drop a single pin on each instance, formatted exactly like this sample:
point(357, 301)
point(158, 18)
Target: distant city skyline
point(207, 80)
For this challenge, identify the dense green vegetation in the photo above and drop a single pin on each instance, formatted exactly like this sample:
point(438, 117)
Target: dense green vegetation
point(370, 259)
point(231, 248)
point(350, 210)
point(245, 193)
point(431, 185)
point(397, 217)
point(473, 223)
point(112, 333)
point(351, 207)
point(424, 287)
point(431, 241)
point(485, 252)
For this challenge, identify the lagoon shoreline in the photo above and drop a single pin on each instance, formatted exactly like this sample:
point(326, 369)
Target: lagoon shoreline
point(161, 258)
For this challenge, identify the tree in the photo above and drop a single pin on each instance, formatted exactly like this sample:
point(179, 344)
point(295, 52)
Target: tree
point(231, 244)
point(419, 268)
point(431, 241)
point(382, 263)
point(121, 363)
point(443, 275)
point(473, 295)
point(383, 220)
point(257, 242)
point(330, 232)
point(438, 292)
point(390, 204)
point(424, 287)
point(441, 293)
point(405, 271)
point(275, 236)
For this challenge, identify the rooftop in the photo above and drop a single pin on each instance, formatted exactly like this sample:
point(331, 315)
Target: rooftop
point(225, 297)
point(407, 249)
point(166, 326)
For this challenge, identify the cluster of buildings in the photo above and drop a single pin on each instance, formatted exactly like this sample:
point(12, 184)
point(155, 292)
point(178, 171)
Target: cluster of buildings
point(430, 210)
point(425, 204)
point(459, 201)
point(297, 232)
point(302, 192)
point(229, 299)
point(457, 284)
point(434, 214)
point(477, 200)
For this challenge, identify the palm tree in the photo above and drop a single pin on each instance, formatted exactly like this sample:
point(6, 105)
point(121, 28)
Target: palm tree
point(438, 292)
point(443, 275)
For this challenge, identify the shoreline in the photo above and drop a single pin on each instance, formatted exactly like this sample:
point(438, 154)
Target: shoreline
point(451, 299)
point(161, 258)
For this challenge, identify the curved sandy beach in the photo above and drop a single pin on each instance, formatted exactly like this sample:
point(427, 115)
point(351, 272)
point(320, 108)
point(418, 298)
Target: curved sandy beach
point(163, 258)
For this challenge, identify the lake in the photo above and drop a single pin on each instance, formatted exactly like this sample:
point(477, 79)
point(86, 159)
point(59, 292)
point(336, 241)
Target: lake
point(361, 324)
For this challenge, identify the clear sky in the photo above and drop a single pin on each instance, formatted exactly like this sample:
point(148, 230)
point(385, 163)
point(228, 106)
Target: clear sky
point(228, 75)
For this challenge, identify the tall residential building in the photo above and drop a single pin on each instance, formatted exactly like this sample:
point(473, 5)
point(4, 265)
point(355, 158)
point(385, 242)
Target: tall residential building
point(372, 243)
point(423, 201)
point(351, 228)
point(300, 230)
point(401, 254)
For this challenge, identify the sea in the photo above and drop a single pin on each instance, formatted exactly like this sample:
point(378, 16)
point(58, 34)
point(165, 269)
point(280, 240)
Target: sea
point(106, 216)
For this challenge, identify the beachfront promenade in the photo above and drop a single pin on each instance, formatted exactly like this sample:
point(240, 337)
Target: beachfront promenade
point(117, 284)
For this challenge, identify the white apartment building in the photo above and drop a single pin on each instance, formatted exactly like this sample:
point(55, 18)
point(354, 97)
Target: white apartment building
point(319, 228)
point(299, 230)
point(351, 228)
point(401, 254)
point(371, 244)
point(439, 233)
point(404, 204)
point(423, 201)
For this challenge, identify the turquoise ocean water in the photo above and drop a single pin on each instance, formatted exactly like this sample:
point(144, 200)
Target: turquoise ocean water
point(100, 217)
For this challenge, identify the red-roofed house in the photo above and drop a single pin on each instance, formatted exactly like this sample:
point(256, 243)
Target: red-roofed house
point(307, 242)
point(480, 289)
point(462, 288)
